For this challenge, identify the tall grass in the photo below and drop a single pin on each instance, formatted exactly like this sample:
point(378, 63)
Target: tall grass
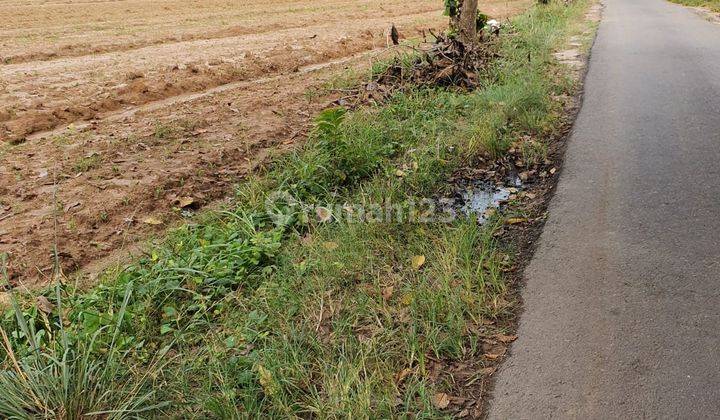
point(69, 377)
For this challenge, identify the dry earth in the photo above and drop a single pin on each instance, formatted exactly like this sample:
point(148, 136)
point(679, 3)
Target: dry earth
point(111, 112)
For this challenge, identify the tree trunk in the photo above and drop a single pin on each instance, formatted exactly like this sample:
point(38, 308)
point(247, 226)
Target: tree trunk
point(465, 22)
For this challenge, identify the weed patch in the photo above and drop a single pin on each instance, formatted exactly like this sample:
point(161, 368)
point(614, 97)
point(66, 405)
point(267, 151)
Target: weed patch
point(713, 5)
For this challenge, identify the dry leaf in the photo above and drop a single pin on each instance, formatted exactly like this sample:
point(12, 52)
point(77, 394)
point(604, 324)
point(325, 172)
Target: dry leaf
point(400, 376)
point(400, 173)
point(267, 381)
point(186, 202)
point(323, 214)
point(515, 220)
point(552, 171)
point(441, 400)
point(44, 305)
point(418, 261)
point(488, 370)
point(387, 292)
point(330, 245)
point(72, 206)
point(493, 356)
point(153, 221)
point(306, 240)
point(406, 299)
point(506, 338)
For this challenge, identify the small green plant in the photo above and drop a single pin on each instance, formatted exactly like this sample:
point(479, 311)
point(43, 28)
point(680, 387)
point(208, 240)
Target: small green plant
point(481, 20)
point(87, 163)
point(164, 131)
point(329, 120)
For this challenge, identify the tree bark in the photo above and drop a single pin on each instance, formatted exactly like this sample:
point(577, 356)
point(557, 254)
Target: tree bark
point(465, 22)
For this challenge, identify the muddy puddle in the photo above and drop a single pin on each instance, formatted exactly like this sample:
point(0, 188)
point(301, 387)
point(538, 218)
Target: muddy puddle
point(480, 199)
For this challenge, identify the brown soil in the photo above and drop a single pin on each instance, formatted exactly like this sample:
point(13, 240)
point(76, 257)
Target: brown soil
point(117, 109)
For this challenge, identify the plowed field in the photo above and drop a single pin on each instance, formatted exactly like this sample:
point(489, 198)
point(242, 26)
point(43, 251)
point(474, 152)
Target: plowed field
point(113, 112)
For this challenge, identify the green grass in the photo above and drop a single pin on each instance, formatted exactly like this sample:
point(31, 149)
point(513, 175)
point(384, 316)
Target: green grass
point(87, 163)
point(58, 375)
point(713, 5)
point(243, 315)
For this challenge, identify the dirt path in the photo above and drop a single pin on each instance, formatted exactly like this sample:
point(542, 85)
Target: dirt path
point(183, 101)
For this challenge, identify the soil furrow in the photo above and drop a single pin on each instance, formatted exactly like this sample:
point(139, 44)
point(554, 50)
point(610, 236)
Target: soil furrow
point(133, 132)
point(111, 81)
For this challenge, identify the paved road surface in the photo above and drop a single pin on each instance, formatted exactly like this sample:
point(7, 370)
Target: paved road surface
point(622, 303)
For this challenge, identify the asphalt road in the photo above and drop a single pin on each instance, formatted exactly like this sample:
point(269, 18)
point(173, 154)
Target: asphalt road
point(622, 302)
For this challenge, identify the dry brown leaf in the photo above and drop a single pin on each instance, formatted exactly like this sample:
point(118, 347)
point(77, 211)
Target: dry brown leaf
point(306, 240)
point(186, 202)
point(44, 305)
point(323, 214)
point(72, 206)
point(441, 400)
point(515, 220)
point(151, 220)
point(506, 338)
point(400, 376)
point(387, 292)
point(488, 370)
point(494, 356)
point(445, 73)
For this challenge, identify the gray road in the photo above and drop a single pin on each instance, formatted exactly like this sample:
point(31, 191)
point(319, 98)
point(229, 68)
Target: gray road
point(622, 303)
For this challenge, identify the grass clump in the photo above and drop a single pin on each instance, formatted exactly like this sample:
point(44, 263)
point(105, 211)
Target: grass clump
point(713, 5)
point(87, 163)
point(55, 375)
point(267, 310)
